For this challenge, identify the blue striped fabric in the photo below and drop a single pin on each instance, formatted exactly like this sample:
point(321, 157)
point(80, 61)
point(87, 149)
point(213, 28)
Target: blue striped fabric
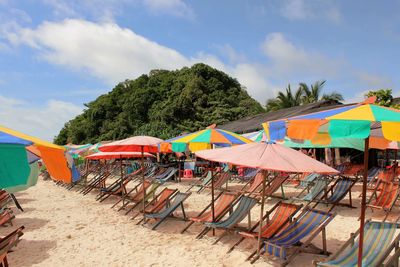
point(310, 178)
point(377, 237)
point(340, 190)
point(316, 190)
point(295, 232)
point(243, 208)
point(372, 173)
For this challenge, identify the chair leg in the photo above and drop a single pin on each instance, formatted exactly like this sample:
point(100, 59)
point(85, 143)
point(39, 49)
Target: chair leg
point(236, 244)
point(187, 227)
point(220, 237)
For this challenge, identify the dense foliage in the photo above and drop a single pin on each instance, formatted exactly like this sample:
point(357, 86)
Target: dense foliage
point(384, 97)
point(303, 95)
point(162, 104)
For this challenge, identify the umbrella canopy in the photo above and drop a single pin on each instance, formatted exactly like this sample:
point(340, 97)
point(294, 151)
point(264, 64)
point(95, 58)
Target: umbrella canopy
point(118, 155)
point(51, 154)
point(258, 136)
point(267, 156)
point(133, 144)
point(205, 138)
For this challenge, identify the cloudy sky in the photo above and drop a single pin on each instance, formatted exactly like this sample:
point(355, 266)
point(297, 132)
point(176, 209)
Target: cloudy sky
point(56, 55)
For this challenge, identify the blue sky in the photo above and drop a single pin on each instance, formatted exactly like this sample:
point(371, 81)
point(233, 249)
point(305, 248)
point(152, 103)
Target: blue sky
point(56, 55)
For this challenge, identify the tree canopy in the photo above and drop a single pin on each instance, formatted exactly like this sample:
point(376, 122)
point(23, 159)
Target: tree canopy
point(303, 95)
point(162, 104)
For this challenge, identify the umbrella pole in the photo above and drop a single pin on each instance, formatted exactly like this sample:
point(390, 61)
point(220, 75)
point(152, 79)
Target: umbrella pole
point(261, 213)
point(212, 194)
point(363, 202)
point(122, 177)
point(144, 188)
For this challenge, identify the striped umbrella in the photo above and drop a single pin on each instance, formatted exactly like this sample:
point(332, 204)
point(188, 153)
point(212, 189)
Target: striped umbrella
point(204, 139)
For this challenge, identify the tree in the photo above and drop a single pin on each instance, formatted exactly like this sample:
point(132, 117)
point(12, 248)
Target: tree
point(383, 97)
point(162, 104)
point(313, 94)
point(285, 99)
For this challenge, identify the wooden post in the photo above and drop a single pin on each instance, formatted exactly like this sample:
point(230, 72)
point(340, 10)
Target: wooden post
point(363, 202)
point(212, 195)
point(261, 213)
point(143, 180)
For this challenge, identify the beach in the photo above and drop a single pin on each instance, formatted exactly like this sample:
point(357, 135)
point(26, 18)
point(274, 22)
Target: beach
point(65, 228)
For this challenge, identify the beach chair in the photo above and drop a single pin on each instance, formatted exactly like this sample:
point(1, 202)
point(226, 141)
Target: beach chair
point(137, 198)
point(298, 236)
point(204, 181)
point(318, 187)
point(133, 195)
point(6, 217)
point(248, 175)
point(254, 185)
point(341, 168)
point(219, 181)
point(223, 203)
point(307, 179)
point(272, 185)
point(117, 188)
point(7, 243)
point(337, 192)
point(353, 171)
point(275, 220)
point(171, 172)
point(385, 198)
point(378, 237)
point(168, 211)
point(158, 202)
point(244, 205)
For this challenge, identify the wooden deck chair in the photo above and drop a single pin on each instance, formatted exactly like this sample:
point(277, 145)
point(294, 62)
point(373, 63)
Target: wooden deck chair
point(317, 189)
point(248, 175)
point(341, 168)
point(385, 176)
point(289, 243)
point(272, 185)
point(354, 170)
point(242, 209)
point(254, 185)
point(158, 202)
point(392, 258)
point(7, 243)
point(168, 175)
point(117, 188)
point(168, 210)
point(386, 198)
point(98, 181)
point(137, 199)
point(378, 237)
point(6, 217)
point(135, 194)
point(219, 181)
point(223, 203)
point(337, 192)
point(307, 179)
point(275, 220)
point(204, 181)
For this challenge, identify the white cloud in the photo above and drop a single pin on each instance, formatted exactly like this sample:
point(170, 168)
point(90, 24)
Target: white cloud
point(307, 10)
point(374, 81)
point(171, 7)
point(114, 54)
point(289, 59)
point(42, 121)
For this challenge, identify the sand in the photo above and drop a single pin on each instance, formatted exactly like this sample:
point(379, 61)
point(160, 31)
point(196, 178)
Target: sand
point(65, 228)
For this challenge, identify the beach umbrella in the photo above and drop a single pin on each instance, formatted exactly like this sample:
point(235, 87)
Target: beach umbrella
point(258, 136)
point(118, 155)
point(140, 144)
point(204, 139)
point(268, 157)
point(352, 121)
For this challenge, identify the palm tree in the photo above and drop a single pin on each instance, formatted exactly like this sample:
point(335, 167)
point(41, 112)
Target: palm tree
point(313, 94)
point(285, 99)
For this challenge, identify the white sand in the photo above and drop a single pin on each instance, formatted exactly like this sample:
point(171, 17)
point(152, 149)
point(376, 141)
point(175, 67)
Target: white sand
point(64, 228)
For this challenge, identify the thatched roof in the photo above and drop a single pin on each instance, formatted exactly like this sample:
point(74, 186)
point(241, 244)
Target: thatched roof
point(253, 123)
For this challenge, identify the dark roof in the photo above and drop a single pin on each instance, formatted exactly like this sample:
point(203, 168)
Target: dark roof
point(253, 123)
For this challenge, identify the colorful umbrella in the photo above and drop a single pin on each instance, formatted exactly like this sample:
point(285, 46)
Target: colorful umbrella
point(204, 139)
point(266, 156)
point(258, 136)
point(353, 121)
point(135, 144)
point(118, 155)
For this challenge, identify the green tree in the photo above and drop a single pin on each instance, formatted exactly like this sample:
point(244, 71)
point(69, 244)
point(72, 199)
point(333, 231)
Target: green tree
point(314, 94)
point(285, 99)
point(383, 97)
point(162, 104)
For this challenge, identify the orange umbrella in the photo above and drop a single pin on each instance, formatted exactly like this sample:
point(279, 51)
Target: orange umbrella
point(117, 155)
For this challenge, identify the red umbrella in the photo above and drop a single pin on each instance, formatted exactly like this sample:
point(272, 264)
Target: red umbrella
point(118, 155)
point(266, 156)
point(140, 144)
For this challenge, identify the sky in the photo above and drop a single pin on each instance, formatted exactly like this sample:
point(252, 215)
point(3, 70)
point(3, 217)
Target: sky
point(57, 55)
